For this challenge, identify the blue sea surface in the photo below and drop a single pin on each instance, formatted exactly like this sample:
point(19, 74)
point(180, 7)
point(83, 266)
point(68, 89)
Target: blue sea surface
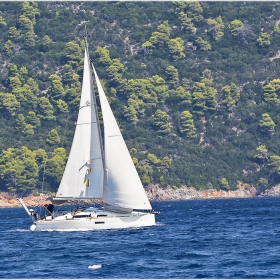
point(233, 238)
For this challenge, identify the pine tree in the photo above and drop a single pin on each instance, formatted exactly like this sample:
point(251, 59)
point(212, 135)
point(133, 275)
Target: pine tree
point(28, 130)
point(103, 56)
point(216, 27)
point(46, 43)
point(130, 114)
point(115, 72)
point(267, 125)
point(56, 90)
point(8, 47)
point(203, 44)
point(14, 34)
point(62, 106)
point(2, 22)
point(234, 25)
point(176, 48)
point(20, 122)
point(172, 75)
point(74, 54)
point(269, 93)
point(160, 38)
point(224, 185)
point(29, 39)
point(53, 137)
point(10, 103)
point(45, 109)
point(187, 125)
point(262, 155)
point(33, 119)
point(161, 123)
point(181, 97)
point(276, 28)
point(274, 164)
point(186, 22)
point(264, 40)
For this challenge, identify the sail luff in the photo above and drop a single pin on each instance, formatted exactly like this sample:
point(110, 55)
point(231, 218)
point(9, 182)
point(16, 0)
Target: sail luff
point(84, 174)
point(123, 187)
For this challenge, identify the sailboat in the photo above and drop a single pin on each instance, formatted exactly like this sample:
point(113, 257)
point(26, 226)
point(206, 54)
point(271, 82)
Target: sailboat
point(98, 169)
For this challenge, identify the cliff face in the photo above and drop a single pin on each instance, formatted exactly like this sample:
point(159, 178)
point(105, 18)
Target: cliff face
point(155, 193)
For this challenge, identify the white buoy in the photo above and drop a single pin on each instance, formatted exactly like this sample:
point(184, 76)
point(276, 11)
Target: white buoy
point(96, 266)
point(33, 227)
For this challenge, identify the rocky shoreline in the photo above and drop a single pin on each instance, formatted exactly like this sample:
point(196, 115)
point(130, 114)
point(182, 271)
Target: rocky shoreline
point(154, 193)
point(184, 193)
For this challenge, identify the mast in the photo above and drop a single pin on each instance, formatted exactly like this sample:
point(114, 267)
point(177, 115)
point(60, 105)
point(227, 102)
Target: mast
point(96, 109)
point(102, 146)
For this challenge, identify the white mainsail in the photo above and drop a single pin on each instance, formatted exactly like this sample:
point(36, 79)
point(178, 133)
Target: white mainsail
point(123, 187)
point(84, 173)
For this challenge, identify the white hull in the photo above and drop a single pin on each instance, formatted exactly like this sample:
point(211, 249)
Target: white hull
point(112, 221)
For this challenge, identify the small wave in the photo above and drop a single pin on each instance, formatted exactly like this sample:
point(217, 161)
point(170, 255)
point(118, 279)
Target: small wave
point(95, 266)
point(16, 230)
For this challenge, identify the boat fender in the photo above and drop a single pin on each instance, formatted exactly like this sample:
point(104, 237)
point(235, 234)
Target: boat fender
point(93, 215)
point(49, 218)
point(33, 227)
point(68, 216)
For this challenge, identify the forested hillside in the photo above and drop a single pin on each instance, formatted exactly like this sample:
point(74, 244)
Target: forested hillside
point(195, 87)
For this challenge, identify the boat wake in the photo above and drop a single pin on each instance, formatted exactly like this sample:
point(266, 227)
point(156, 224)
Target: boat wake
point(17, 230)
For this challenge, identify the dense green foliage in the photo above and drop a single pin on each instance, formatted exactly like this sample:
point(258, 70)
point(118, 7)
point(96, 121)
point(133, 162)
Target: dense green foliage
point(195, 87)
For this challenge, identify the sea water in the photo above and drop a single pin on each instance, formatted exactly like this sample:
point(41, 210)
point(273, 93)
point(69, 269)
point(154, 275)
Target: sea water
point(233, 238)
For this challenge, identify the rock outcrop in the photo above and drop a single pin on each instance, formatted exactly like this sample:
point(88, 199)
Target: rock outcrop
point(274, 191)
point(155, 193)
point(8, 200)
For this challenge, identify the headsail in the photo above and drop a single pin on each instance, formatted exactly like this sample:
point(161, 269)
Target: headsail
point(84, 173)
point(123, 187)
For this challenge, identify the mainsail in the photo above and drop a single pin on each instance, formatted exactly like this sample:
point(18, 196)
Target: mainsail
point(84, 173)
point(123, 187)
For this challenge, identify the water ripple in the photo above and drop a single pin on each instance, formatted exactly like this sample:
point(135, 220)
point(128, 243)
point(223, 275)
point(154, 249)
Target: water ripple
point(192, 239)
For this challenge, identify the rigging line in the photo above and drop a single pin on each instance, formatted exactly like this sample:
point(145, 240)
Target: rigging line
point(89, 105)
point(85, 123)
point(43, 177)
point(85, 36)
